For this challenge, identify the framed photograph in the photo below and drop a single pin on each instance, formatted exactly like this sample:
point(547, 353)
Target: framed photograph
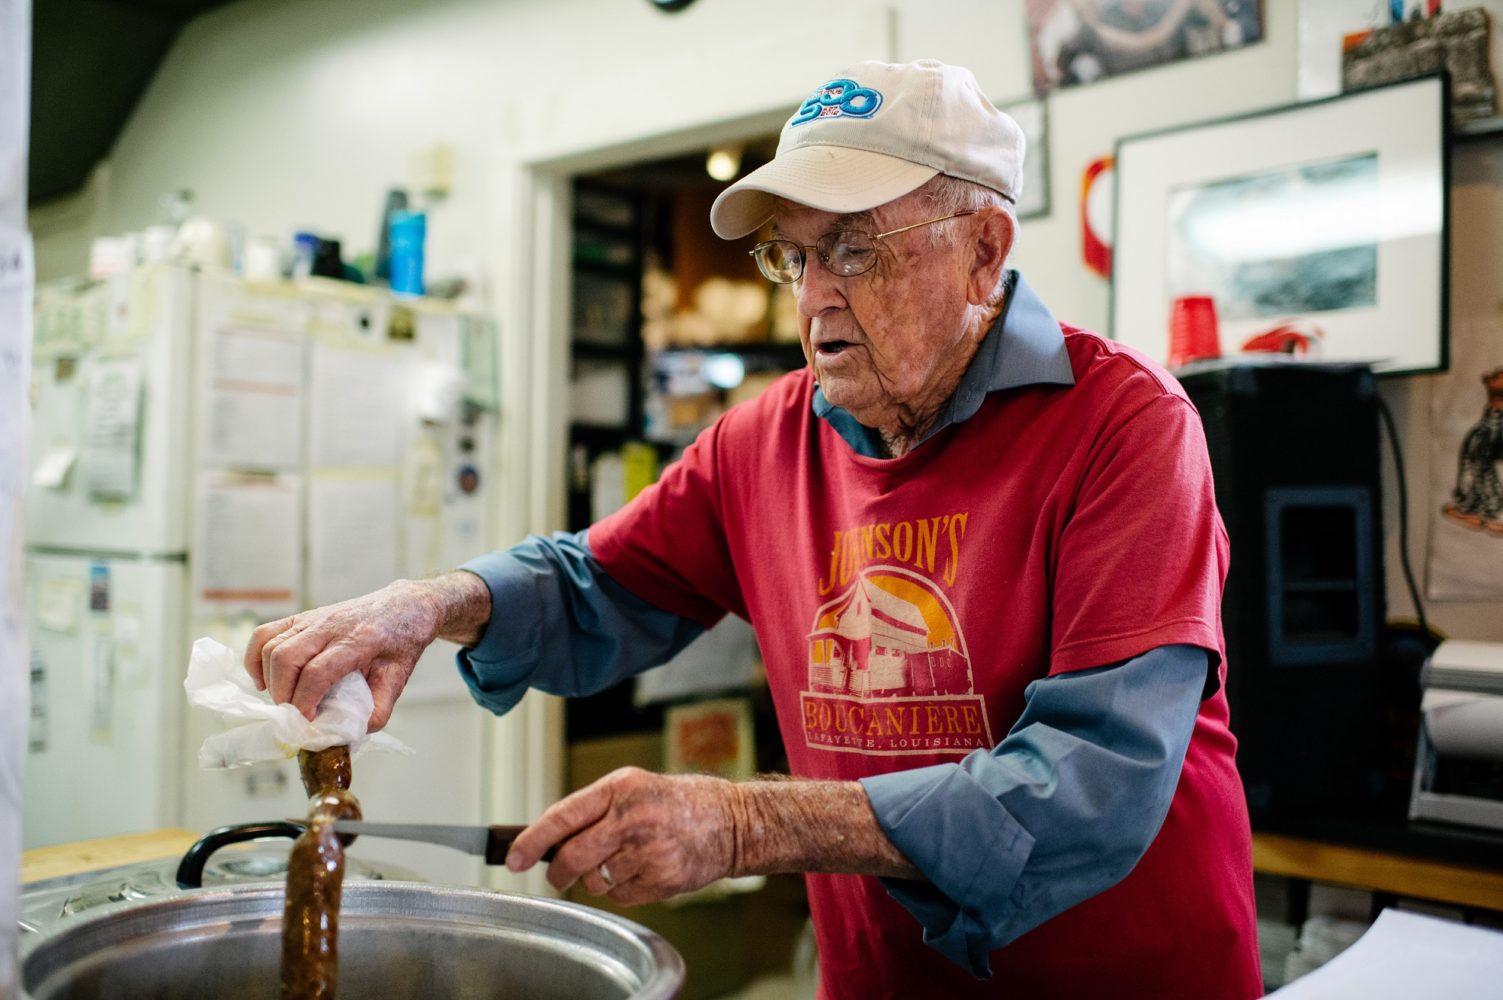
point(1082, 41)
point(1032, 117)
point(1318, 230)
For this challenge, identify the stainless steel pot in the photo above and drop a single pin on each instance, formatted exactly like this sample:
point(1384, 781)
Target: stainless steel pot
point(396, 939)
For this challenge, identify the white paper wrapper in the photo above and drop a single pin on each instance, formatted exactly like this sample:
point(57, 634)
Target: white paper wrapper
point(217, 681)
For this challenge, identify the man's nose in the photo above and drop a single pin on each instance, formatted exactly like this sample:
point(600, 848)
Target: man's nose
point(817, 289)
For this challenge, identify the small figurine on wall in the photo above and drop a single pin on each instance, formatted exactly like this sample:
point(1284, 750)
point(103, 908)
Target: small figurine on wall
point(1477, 501)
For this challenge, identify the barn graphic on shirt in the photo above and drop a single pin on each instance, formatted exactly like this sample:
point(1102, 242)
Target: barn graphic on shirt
point(890, 634)
point(889, 671)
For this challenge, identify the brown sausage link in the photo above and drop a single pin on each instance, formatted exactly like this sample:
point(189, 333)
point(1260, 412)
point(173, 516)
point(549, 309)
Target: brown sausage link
point(325, 770)
point(315, 879)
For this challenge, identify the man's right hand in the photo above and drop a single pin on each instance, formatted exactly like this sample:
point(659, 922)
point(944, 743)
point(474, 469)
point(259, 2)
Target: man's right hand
point(380, 635)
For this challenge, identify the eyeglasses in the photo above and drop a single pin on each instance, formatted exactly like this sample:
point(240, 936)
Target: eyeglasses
point(845, 252)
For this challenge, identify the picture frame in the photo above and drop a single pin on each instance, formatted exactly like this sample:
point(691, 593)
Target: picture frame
point(1032, 116)
point(1074, 42)
point(1322, 226)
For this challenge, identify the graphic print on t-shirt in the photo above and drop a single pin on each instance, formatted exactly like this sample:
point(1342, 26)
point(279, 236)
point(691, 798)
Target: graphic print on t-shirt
point(889, 672)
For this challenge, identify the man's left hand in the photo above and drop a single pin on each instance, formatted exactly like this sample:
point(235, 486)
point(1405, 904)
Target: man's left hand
point(636, 836)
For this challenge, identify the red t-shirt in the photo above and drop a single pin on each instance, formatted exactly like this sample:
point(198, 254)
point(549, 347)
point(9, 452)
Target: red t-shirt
point(903, 605)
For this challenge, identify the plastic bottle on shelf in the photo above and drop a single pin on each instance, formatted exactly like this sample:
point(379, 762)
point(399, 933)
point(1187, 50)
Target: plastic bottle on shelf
point(304, 250)
point(396, 201)
point(408, 230)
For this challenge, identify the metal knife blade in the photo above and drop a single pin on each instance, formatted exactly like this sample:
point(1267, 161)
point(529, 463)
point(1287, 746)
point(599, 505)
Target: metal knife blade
point(489, 842)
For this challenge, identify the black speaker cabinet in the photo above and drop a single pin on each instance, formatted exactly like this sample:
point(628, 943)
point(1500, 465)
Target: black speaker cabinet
point(1294, 451)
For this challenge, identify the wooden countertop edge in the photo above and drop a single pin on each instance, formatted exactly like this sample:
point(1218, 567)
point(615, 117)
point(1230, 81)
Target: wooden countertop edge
point(59, 860)
point(1377, 871)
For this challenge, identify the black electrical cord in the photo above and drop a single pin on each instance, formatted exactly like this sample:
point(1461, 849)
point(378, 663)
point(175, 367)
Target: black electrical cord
point(1398, 468)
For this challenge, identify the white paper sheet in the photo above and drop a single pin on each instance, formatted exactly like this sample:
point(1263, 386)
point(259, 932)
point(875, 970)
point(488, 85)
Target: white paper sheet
point(353, 529)
point(1321, 26)
point(1406, 956)
point(437, 391)
point(249, 544)
point(59, 600)
point(132, 672)
point(357, 409)
point(52, 471)
point(101, 682)
point(107, 460)
point(423, 506)
point(36, 733)
point(441, 337)
point(607, 485)
point(253, 397)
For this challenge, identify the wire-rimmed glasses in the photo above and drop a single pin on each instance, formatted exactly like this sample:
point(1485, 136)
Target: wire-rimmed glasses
point(844, 252)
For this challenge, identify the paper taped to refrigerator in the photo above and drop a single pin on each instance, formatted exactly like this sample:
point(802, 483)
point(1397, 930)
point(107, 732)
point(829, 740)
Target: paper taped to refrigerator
point(249, 550)
point(52, 471)
point(217, 681)
point(353, 529)
point(112, 430)
point(357, 409)
point(253, 397)
point(58, 602)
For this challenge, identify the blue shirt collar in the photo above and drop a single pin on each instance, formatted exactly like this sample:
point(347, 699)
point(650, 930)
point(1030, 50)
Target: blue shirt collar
point(1024, 347)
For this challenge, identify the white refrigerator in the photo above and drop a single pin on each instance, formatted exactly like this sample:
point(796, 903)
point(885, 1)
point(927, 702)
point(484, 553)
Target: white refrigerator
point(208, 454)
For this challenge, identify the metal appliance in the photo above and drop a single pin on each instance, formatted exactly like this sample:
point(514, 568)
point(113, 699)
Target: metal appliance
point(209, 453)
point(1458, 769)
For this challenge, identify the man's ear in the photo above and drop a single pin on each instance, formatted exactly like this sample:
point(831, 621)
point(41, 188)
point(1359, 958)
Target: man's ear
point(991, 244)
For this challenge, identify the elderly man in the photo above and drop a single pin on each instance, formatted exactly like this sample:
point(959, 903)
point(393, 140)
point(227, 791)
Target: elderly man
point(982, 556)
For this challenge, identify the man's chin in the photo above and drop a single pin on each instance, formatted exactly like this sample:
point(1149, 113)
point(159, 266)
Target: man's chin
point(847, 393)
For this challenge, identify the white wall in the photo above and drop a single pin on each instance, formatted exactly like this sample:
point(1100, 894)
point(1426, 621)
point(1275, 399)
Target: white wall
point(285, 114)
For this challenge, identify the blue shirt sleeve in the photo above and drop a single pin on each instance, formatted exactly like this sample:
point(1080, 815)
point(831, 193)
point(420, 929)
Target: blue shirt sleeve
point(559, 623)
point(1060, 810)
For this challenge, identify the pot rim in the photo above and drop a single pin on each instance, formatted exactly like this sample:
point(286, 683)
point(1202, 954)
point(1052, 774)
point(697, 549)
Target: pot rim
point(260, 902)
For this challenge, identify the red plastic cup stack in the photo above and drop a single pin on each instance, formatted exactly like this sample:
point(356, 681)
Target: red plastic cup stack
point(1192, 330)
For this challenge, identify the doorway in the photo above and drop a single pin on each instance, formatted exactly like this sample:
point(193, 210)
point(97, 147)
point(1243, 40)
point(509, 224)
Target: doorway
point(670, 326)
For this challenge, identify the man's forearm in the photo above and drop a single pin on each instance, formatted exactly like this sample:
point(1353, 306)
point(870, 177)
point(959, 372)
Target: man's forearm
point(810, 826)
point(463, 603)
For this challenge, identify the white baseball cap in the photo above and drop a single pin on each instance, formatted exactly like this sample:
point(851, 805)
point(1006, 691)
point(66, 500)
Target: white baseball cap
point(875, 132)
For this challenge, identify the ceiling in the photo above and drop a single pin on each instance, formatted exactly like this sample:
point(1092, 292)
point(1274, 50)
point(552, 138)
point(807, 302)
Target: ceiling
point(90, 62)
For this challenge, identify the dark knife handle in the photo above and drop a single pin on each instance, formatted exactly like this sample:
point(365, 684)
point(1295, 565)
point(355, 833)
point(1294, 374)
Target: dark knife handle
point(499, 842)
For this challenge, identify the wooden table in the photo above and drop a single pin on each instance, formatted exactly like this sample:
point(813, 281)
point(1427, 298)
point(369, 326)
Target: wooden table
point(59, 860)
point(1388, 874)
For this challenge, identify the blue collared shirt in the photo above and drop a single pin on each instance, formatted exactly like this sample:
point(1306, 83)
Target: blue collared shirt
point(1061, 809)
